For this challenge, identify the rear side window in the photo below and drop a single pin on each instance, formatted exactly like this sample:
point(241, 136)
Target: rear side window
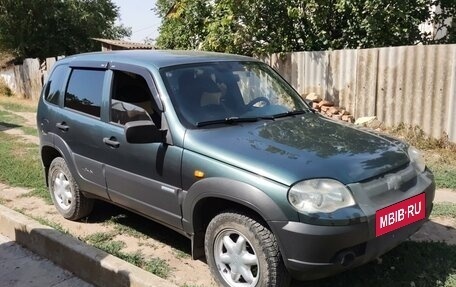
point(84, 91)
point(55, 84)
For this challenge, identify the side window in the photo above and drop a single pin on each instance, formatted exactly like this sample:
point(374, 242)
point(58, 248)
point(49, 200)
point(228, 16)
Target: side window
point(84, 91)
point(55, 84)
point(131, 99)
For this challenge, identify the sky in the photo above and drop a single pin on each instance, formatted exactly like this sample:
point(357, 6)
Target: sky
point(139, 15)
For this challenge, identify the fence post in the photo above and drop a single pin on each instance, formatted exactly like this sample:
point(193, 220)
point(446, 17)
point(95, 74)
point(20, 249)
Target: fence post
point(451, 110)
point(32, 78)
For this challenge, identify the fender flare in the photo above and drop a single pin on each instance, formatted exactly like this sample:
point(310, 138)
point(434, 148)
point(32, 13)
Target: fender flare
point(231, 190)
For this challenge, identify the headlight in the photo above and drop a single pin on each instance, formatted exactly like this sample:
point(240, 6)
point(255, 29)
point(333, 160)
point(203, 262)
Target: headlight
point(320, 195)
point(417, 159)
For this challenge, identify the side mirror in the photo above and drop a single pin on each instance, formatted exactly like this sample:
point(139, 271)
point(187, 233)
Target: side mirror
point(143, 132)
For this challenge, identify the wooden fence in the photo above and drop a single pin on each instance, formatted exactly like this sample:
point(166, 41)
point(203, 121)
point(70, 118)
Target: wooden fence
point(26, 80)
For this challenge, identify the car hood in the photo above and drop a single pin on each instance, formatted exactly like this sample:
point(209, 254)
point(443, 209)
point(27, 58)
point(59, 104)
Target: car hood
point(291, 149)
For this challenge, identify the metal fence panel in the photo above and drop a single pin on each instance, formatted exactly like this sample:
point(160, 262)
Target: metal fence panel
point(451, 110)
point(366, 84)
point(341, 78)
point(315, 78)
point(415, 85)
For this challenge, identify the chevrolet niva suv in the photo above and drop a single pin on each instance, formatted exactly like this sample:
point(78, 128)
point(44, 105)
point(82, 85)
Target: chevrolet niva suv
point(224, 151)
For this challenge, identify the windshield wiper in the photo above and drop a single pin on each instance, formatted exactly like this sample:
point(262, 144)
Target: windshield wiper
point(291, 113)
point(231, 120)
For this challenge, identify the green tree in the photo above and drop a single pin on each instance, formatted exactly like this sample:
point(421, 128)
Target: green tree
point(162, 7)
point(266, 26)
point(43, 28)
point(184, 28)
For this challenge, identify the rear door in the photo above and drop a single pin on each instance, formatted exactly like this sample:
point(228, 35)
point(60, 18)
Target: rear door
point(78, 125)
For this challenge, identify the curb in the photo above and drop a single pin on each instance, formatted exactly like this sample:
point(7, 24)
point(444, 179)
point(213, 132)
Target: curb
point(89, 263)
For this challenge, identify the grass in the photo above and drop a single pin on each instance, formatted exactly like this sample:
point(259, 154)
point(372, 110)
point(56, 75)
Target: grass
point(29, 131)
point(105, 241)
point(11, 120)
point(17, 107)
point(410, 264)
point(16, 104)
point(181, 254)
point(4, 201)
point(99, 237)
point(445, 175)
point(158, 267)
point(446, 209)
point(47, 222)
point(440, 154)
point(43, 221)
point(20, 166)
point(118, 223)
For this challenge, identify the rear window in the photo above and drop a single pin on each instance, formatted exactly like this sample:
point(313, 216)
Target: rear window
point(55, 85)
point(84, 91)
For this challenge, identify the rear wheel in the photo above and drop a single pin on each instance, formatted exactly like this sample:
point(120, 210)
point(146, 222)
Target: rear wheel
point(65, 194)
point(242, 252)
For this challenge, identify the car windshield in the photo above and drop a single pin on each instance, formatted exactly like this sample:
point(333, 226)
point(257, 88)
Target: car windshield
point(228, 92)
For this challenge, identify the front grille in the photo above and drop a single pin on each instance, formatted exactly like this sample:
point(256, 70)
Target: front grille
point(401, 180)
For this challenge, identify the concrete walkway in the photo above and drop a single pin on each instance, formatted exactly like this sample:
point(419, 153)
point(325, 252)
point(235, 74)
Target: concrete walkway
point(445, 195)
point(86, 262)
point(20, 267)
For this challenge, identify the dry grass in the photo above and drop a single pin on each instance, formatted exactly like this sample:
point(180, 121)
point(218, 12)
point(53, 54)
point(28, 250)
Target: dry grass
point(4, 89)
point(17, 104)
point(415, 136)
point(440, 154)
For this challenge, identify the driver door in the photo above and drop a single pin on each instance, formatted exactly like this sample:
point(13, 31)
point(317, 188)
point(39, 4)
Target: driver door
point(142, 177)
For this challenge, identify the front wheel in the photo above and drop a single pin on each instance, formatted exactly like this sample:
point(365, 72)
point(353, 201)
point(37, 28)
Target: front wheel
point(241, 252)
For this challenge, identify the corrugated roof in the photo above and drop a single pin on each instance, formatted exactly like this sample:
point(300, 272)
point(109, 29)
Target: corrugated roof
point(125, 44)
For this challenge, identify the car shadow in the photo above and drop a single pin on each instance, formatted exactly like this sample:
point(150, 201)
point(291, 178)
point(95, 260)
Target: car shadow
point(106, 212)
point(7, 126)
point(412, 263)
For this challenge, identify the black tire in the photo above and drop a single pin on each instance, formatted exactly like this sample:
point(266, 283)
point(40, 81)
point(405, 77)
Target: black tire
point(65, 194)
point(268, 270)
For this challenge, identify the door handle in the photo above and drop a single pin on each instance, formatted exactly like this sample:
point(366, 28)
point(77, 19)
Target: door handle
point(112, 142)
point(62, 126)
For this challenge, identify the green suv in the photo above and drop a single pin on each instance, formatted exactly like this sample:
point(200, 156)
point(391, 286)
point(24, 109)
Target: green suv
point(222, 150)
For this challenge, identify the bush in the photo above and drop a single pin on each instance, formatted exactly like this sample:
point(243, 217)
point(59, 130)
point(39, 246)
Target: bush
point(4, 89)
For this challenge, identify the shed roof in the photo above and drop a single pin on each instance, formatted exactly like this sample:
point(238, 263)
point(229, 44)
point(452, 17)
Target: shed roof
point(125, 44)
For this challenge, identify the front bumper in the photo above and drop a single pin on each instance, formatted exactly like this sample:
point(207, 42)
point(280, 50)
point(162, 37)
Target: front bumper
point(314, 251)
point(323, 254)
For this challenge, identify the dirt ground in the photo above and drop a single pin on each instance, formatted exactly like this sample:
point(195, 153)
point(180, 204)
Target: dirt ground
point(158, 241)
point(155, 240)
